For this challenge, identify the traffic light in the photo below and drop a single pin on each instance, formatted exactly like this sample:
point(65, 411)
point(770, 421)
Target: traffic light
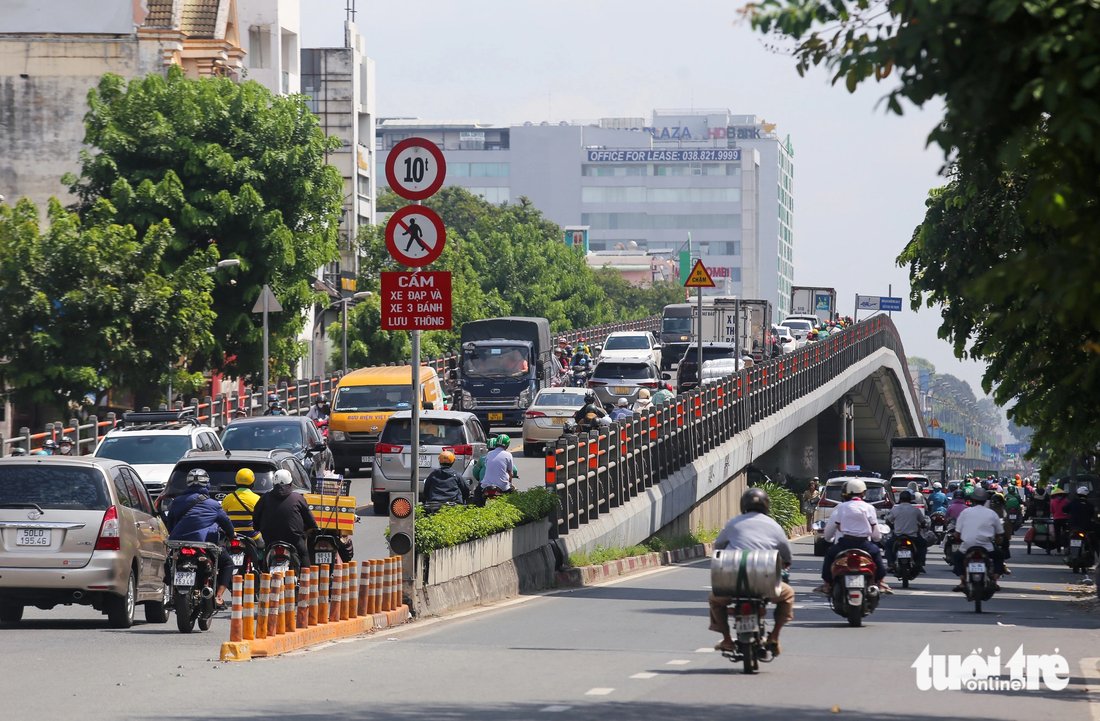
point(402, 523)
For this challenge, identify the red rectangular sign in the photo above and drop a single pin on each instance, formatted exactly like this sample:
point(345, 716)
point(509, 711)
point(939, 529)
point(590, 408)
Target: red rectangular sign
point(416, 301)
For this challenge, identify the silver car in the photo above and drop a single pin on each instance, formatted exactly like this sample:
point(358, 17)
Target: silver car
point(79, 530)
point(621, 378)
point(545, 420)
point(457, 430)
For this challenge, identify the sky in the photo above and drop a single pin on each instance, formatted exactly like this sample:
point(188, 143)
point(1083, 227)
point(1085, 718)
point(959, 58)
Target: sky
point(861, 176)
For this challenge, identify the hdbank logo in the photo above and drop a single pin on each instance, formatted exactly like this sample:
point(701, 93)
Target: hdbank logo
point(975, 672)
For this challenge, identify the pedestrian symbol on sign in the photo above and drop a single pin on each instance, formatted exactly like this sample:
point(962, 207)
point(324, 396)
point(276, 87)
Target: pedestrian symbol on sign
point(416, 235)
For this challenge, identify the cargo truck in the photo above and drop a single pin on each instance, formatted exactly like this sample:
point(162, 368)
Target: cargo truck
point(737, 320)
point(919, 456)
point(807, 300)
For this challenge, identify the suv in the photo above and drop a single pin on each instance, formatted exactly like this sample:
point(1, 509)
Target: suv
point(687, 373)
point(152, 442)
point(223, 466)
point(623, 378)
point(79, 530)
point(631, 344)
point(457, 430)
point(297, 434)
point(878, 495)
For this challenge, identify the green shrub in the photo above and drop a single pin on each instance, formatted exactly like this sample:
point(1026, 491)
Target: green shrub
point(786, 506)
point(454, 525)
point(655, 543)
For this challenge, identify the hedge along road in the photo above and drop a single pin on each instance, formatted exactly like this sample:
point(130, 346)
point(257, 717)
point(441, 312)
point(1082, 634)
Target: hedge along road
point(370, 531)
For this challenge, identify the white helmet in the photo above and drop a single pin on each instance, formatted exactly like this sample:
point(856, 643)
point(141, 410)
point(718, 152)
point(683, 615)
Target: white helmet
point(622, 403)
point(282, 477)
point(1082, 490)
point(937, 486)
point(855, 487)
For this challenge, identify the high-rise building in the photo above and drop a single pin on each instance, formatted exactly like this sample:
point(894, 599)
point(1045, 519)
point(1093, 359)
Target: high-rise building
point(715, 184)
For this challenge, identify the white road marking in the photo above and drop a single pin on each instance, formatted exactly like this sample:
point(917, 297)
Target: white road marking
point(705, 649)
point(598, 691)
point(555, 709)
point(644, 675)
point(678, 662)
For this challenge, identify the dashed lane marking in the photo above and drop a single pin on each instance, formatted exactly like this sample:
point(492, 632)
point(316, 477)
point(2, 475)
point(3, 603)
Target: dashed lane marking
point(678, 662)
point(554, 709)
point(598, 691)
point(644, 675)
point(705, 649)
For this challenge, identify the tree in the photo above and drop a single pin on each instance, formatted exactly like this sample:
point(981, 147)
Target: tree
point(84, 306)
point(231, 166)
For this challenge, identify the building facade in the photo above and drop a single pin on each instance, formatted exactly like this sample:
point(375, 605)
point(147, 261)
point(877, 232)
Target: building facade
point(718, 185)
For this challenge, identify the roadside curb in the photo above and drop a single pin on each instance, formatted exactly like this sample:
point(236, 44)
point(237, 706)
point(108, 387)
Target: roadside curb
point(590, 575)
point(296, 640)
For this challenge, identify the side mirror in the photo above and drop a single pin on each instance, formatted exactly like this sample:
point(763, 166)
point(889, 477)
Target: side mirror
point(452, 375)
point(318, 447)
point(666, 376)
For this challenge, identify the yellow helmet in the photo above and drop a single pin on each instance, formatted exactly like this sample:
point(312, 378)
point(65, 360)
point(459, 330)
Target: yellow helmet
point(446, 458)
point(245, 477)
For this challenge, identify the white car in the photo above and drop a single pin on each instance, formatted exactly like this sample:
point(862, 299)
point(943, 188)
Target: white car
point(787, 343)
point(800, 329)
point(633, 345)
point(152, 443)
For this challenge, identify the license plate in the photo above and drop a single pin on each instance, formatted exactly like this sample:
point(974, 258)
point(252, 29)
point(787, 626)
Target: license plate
point(746, 624)
point(1012, 516)
point(905, 554)
point(1075, 542)
point(976, 568)
point(33, 537)
point(857, 581)
point(280, 567)
point(496, 416)
point(185, 578)
point(622, 390)
point(323, 558)
point(558, 421)
point(366, 459)
point(425, 460)
point(238, 559)
point(937, 528)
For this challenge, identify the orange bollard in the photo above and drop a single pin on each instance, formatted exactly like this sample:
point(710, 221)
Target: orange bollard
point(374, 590)
point(303, 600)
point(314, 573)
point(236, 618)
point(265, 592)
point(384, 585)
point(249, 607)
point(322, 596)
point(278, 604)
point(345, 593)
point(290, 585)
point(395, 583)
point(334, 597)
point(363, 592)
point(357, 598)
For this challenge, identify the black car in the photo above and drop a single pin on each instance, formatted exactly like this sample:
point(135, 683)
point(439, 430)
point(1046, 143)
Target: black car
point(296, 434)
point(223, 466)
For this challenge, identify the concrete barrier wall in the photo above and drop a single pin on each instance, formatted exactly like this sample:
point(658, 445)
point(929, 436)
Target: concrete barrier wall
point(447, 564)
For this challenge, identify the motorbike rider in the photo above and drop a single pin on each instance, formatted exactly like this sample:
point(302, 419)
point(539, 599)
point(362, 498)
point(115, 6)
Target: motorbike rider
point(1058, 500)
point(274, 406)
point(1038, 505)
point(853, 524)
point(195, 516)
point(643, 402)
point(664, 393)
point(906, 520)
point(443, 485)
point(1081, 516)
point(588, 415)
point(50, 447)
point(958, 505)
point(754, 529)
point(937, 499)
point(581, 356)
point(17, 451)
point(622, 410)
point(65, 446)
point(281, 515)
point(318, 412)
point(239, 506)
point(500, 468)
point(978, 525)
point(1013, 503)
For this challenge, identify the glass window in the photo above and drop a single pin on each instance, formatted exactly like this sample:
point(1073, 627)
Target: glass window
point(631, 371)
point(144, 450)
point(458, 170)
point(223, 475)
point(559, 400)
point(372, 398)
point(138, 494)
point(488, 170)
point(264, 436)
point(433, 432)
point(627, 342)
point(496, 195)
point(496, 361)
point(121, 490)
point(52, 487)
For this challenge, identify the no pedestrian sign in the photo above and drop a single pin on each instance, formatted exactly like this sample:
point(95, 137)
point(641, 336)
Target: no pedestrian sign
point(416, 301)
point(415, 168)
point(415, 236)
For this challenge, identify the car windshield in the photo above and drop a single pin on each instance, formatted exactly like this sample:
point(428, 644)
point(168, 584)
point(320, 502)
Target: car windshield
point(351, 399)
point(495, 361)
point(52, 487)
point(398, 431)
point(874, 493)
point(559, 400)
point(144, 450)
point(222, 475)
point(627, 342)
point(677, 324)
point(691, 356)
point(263, 437)
point(803, 326)
point(625, 371)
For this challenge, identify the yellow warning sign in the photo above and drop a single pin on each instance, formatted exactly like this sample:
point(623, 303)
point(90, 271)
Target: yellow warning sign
point(699, 277)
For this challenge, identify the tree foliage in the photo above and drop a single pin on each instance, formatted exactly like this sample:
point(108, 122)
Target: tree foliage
point(1006, 249)
point(505, 260)
point(84, 306)
point(230, 165)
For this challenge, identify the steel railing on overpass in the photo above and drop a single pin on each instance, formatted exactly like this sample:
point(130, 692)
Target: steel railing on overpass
point(296, 397)
point(597, 471)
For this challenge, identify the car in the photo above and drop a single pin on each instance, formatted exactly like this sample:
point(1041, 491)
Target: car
point(544, 420)
point(459, 431)
point(223, 466)
point(297, 434)
point(671, 353)
point(800, 329)
point(813, 320)
point(904, 481)
point(83, 530)
point(687, 372)
point(631, 344)
point(877, 495)
point(787, 343)
point(152, 441)
point(623, 378)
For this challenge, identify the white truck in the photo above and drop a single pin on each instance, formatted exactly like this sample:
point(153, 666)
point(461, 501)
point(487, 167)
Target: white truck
point(807, 300)
point(738, 320)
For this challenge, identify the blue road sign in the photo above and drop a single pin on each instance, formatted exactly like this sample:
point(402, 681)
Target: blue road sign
point(885, 303)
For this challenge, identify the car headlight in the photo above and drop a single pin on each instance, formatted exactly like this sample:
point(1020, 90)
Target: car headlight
point(468, 401)
point(336, 435)
point(524, 398)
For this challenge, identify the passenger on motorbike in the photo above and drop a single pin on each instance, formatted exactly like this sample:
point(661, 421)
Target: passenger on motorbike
point(853, 524)
point(958, 505)
point(754, 529)
point(906, 520)
point(274, 406)
point(1082, 516)
point(664, 393)
point(622, 410)
point(643, 402)
point(500, 468)
point(443, 485)
point(978, 525)
point(195, 516)
point(937, 500)
point(587, 415)
point(240, 504)
point(283, 516)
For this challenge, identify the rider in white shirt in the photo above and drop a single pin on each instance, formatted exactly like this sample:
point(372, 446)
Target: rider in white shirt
point(979, 525)
point(852, 524)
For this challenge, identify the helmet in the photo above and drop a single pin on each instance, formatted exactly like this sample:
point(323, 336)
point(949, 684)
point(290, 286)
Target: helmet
point(570, 427)
point(318, 399)
point(1017, 476)
point(282, 477)
point(17, 451)
point(937, 486)
point(245, 477)
point(446, 457)
point(590, 396)
point(504, 440)
point(1058, 491)
point(755, 499)
point(998, 499)
point(855, 487)
point(905, 497)
point(198, 477)
point(643, 394)
point(622, 403)
point(66, 439)
point(272, 398)
point(958, 494)
point(50, 444)
point(979, 495)
point(666, 385)
point(1082, 490)
point(490, 443)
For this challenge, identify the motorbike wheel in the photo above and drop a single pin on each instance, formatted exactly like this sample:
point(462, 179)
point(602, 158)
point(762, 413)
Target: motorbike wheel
point(855, 616)
point(977, 605)
point(748, 657)
point(905, 583)
point(1029, 549)
point(204, 622)
point(185, 616)
point(157, 611)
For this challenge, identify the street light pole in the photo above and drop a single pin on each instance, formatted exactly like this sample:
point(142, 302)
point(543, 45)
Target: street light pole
point(345, 302)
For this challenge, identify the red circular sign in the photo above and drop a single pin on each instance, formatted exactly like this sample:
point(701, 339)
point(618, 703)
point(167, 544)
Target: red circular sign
point(415, 236)
point(415, 168)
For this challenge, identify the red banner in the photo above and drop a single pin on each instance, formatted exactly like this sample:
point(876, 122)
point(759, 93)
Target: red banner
point(416, 301)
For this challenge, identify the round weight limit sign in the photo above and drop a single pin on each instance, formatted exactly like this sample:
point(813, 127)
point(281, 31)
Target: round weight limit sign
point(415, 168)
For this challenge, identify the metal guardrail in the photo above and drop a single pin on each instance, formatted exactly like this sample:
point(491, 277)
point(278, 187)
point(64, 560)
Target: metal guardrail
point(219, 410)
point(596, 471)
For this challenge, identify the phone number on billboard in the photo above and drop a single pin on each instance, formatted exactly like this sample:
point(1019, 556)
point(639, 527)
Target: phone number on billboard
point(703, 155)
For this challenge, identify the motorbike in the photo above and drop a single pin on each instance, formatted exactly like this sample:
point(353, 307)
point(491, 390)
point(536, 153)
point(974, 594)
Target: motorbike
point(939, 525)
point(905, 563)
point(281, 557)
point(1040, 534)
point(242, 550)
point(978, 576)
point(949, 545)
point(855, 593)
point(322, 425)
point(1012, 520)
point(326, 547)
point(1079, 553)
point(579, 374)
point(749, 624)
point(193, 575)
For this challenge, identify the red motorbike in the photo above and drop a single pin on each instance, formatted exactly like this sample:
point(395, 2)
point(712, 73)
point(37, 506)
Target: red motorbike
point(855, 592)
